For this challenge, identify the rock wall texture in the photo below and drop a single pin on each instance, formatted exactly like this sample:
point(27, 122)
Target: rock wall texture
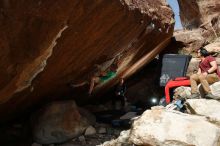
point(194, 13)
point(46, 44)
point(201, 23)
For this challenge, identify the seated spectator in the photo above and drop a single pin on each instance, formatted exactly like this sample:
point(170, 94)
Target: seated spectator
point(208, 73)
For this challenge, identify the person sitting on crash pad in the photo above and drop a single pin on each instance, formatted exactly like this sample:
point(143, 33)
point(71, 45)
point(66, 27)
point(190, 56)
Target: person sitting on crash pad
point(208, 73)
point(101, 78)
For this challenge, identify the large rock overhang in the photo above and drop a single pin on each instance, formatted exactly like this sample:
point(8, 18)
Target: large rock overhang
point(47, 44)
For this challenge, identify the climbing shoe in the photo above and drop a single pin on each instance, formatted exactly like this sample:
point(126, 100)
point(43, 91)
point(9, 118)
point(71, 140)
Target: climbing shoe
point(194, 95)
point(211, 96)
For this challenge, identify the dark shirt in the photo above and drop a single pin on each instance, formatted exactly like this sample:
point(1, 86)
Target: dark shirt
point(120, 90)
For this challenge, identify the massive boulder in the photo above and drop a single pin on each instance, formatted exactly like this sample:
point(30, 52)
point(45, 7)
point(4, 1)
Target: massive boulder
point(158, 127)
point(58, 122)
point(46, 44)
point(163, 128)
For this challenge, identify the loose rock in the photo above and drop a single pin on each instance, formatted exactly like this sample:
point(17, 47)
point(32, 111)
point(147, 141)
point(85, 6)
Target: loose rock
point(90, 131)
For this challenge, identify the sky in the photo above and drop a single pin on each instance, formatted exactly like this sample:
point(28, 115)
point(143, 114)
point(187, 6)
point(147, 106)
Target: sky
point(175, 6)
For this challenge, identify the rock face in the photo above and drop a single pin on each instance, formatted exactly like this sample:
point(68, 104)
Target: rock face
point(57, 123)
point(201, 23)
point(214, 46)
point(47, 44)
point(192, 18)
point(194, 13)
point(192, 40)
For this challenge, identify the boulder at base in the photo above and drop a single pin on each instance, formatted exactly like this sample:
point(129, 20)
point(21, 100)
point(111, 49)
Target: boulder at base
point(57, 123)
point(206, 107)
point(159, 127)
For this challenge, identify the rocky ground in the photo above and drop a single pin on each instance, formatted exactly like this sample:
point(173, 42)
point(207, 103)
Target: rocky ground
point(90, 140)
point(20, 135)
point(71, 126)
point(162, 127)
point(94, 139)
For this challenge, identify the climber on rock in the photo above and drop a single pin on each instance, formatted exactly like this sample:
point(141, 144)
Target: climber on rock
point(102, 76)
point(208, 73)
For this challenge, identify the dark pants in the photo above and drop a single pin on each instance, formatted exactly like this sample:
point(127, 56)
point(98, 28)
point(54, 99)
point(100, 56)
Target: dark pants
point(119, 98)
